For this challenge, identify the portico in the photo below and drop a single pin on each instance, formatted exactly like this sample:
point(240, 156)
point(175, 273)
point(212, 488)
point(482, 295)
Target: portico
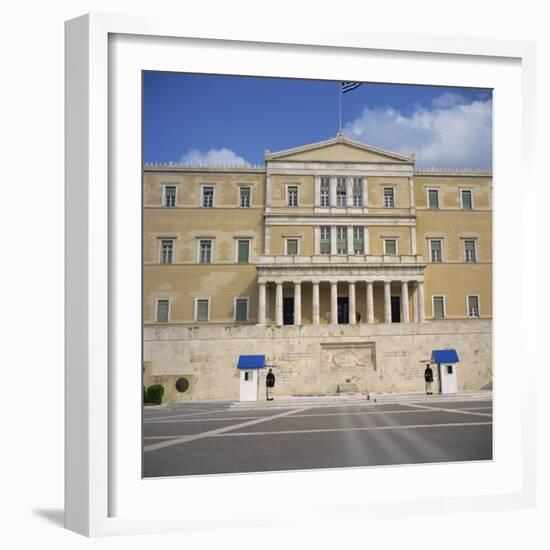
point(307, 290)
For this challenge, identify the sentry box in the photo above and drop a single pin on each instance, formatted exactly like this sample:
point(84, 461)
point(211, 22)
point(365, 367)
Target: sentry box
point(446, 360)
point(249, 365)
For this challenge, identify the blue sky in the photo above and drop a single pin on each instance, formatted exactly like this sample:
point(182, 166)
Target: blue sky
point(215, 119)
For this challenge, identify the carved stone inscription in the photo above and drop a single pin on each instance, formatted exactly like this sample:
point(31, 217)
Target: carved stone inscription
point(348, 356)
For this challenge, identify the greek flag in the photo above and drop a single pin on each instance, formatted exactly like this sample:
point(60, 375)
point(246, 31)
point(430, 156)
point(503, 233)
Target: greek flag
point(349, 86)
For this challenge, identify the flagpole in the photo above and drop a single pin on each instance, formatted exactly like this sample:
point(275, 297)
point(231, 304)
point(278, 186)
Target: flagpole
point(340, 106)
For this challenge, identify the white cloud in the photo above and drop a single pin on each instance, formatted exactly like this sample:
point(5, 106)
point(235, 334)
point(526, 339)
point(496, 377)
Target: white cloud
point(213, 157)
point(456, 136)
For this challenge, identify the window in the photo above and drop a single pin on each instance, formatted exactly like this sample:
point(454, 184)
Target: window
point(466, 199)
point(341, 239)
point(169, 196)
point(205, 251)
point(469, 250)
point(241, 309)
point(389, 198)
point(166, 251)
point(244, 197)
point(341, 192)
point(358, 240)
point(357, 192)
point(163, 311)
point(435, 251)
point(433, 198)
point(438, 307)
point(473, 306)
point(325, 239)
point(207, 197)
point(390, 247)
point(292, 247)
point(325, 191)
point(202, 307)
point(243, 251)
point(292, 192)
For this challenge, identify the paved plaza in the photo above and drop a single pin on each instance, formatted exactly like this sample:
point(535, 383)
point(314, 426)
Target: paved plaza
point(196, 438)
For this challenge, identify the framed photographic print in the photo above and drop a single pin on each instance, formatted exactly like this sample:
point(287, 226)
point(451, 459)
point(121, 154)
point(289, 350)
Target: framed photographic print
point(284, 260)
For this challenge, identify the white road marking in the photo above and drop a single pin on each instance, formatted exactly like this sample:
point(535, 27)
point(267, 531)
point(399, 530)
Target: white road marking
point(457, 411)
point(184, 415)
point(202, 419)
point(210, 433)
point(362, 429)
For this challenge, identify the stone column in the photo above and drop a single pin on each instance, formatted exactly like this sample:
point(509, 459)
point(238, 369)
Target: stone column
point(365, 192)
point(317, 191)
point(333, 250)
point(420, 293)
point(411, 194)
point(315, 302)
point(267, 239)
point(350, 240)
point(387, 302)
point(297, 303)
point(261, 304)
point(351, 299)
point(415, 301)
point(279, 304)
point(413, 240)
point(333, 192)
point(370, 303)
point(404, 302)
point(333, 303)
point(349, 191)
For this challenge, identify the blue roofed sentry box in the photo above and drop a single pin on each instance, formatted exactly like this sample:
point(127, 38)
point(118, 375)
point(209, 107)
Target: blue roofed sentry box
point(445, 356)
point(251, 362)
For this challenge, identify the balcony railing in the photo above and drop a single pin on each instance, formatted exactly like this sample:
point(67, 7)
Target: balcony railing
point(352, 259)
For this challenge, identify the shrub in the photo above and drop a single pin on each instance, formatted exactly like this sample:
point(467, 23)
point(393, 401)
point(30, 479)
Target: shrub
point(154, 394)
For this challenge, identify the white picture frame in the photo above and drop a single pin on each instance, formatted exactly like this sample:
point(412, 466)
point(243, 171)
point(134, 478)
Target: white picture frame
point(102, 498)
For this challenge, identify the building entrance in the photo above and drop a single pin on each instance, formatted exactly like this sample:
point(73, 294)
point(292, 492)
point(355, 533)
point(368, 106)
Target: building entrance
point(395, 309)
point(343, 311)
point(288, 311)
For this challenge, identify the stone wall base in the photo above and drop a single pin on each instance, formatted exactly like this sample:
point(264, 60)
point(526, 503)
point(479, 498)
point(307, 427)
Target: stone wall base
point(314, 360)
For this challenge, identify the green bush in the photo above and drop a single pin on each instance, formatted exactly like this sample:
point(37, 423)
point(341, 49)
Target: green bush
point(154, 394)
point(144, 395)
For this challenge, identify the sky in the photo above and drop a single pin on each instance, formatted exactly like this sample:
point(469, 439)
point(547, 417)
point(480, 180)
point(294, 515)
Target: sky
point(216, 119)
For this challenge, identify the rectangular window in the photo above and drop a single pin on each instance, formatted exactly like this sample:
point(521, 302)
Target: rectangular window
point(341, 239)
point(469, 250)
point(325, 191)
point(433, 198)
point(390, 247)
point(358, 240)
point(473, 306)
point(244, 197)
point(341, 192)
point(243, 251)
point(241, 309)
point(163, 310)
point(166, 251)
point(357, 192)
point(325, 240)
point(205, 251)
point(439, 307)
point(466, 196)
point(389, 198)
point(292, 191)
point(202, 311)
point(207, 197)
point(435, 251)
point(169, 196)
point(292, 247)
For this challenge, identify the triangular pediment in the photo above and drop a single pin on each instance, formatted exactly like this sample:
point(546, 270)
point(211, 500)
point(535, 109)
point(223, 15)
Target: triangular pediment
point(339, 149)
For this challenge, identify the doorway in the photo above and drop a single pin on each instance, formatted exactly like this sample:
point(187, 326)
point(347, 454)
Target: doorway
point(395, 309)
point(343, 310)
point(288, 311)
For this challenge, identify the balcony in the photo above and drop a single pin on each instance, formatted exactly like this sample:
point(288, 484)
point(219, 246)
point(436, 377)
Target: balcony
point(342, 259)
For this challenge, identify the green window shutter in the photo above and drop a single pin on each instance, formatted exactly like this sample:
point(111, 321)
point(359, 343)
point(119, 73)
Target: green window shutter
point(162, 311)
point(467, 200)
point(241, 310)
point(390, 247)
point(202, 310)
point(292, 246)
point(325, 247)
point(243, 252)
point(438, 307)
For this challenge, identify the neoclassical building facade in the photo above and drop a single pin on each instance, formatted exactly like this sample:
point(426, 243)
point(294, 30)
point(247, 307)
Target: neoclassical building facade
point(339, 240)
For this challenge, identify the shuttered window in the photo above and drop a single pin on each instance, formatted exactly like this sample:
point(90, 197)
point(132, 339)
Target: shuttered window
point(435, 247)
point(341, 192)
point(466, 195)
point(357, 192)
point(433, 198)
point(163, 308)
point(439, 308)
point(292, 246)
point(325, 239)
point(170, 196)
point(358, 240)
point(202, 310)
point(241, 309)
point(342, 239)
point(473, 306)
point(325, 191)
point(243, 251)
point(390, 247)
point(469, 250)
